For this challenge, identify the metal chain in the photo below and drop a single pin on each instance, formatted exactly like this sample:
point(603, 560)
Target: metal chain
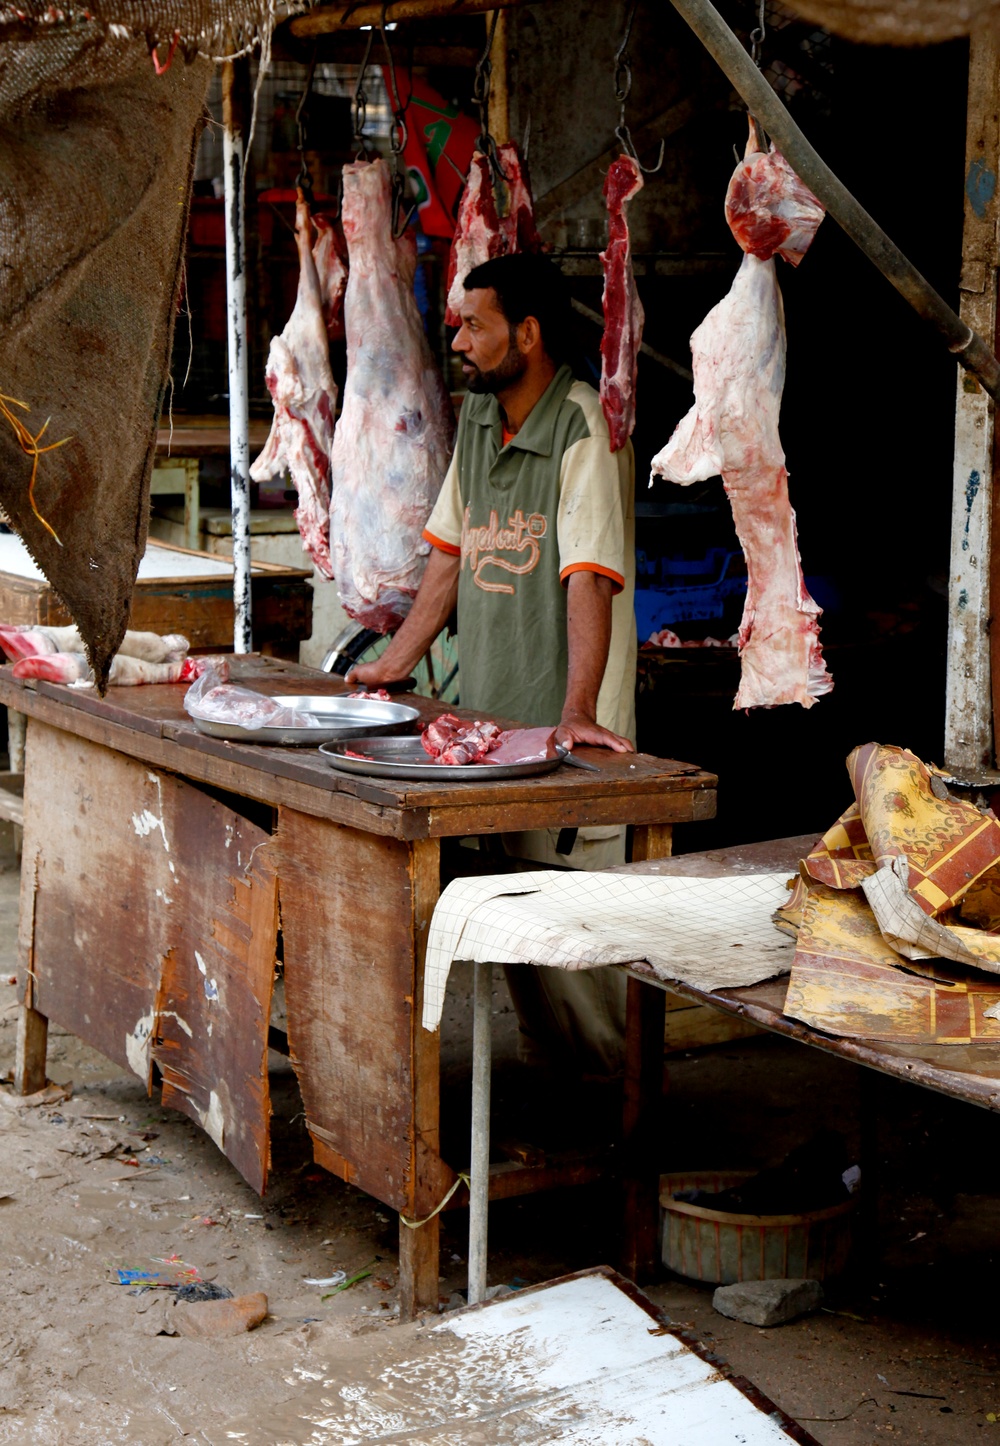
point(361, 100)
point(623, 88)
point(304, 178)
point(398, 135)
point(757, 37)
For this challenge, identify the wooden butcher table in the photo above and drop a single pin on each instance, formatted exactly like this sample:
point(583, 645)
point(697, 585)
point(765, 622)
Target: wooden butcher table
point(157, 864)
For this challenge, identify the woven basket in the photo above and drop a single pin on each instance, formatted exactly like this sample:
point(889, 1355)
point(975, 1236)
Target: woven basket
point(720, 1248)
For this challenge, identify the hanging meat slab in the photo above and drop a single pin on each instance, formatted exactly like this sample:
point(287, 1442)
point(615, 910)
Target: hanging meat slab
point(623, 313)
point(303, 390)
point(496, 216)
point(738, 355)
point(393, 441)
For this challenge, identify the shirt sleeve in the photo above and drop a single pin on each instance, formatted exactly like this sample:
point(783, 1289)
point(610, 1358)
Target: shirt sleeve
point(444, 526)
point(592, 501)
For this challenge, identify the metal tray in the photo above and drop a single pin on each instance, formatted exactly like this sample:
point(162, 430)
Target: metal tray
point(405, 758)
point(340, 717)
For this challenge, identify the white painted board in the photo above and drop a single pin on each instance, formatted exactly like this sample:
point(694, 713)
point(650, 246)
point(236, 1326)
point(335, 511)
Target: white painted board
point(577, 1362)
point(158, 562)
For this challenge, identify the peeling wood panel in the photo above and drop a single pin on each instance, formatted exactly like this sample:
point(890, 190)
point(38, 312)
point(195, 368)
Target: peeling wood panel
point(136, 880)
point(969, 714)
point(348, 922)
point(214, 1001)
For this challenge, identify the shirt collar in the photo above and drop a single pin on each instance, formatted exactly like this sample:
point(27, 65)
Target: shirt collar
point(538, 432)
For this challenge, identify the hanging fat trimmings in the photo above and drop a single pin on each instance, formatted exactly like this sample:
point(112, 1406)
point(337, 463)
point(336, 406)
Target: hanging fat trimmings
point(623, 313)
point(738, 355)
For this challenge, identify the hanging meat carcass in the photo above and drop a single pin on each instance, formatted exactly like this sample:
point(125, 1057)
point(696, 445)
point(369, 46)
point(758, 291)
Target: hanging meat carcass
point(738, 356)
point(623, 313)
point(496, 217)
point(302, 387)
point(393, 440)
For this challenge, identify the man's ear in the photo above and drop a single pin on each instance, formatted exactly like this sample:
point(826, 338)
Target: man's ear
point(529, 334)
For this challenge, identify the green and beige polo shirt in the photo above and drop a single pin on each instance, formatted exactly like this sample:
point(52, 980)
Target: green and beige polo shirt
point(523, 516)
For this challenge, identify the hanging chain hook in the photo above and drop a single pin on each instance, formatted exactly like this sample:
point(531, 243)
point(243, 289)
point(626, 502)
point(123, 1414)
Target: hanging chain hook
point(398, 135)
point(757, 37)
point(361, 100)
point(623, 88)
point(481, 86)
point(304, 178)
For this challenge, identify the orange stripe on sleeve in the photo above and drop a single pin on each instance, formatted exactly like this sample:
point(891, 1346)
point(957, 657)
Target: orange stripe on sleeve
point(448, 547)
point(616, 577)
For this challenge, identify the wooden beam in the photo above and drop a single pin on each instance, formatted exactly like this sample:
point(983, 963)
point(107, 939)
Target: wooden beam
point(499, 114)
point(327, 18)
point(970, 711)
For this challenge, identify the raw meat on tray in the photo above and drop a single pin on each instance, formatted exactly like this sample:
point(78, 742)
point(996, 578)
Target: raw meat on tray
point(738, 355)
point(393, 441)
point(303, 390)
point(623, 313)
point(450, 741)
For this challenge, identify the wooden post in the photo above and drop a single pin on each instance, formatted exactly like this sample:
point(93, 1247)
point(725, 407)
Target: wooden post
point(645, 1013)
point(499, 116)
point(233, 115)
point(652, 841)
point(969, 745)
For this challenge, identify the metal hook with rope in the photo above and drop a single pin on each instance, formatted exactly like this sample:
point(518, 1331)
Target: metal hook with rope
point(481, 97)
point(398, 135)
point(623, 87)
point(757, 37)
point(304, 179)
point(361, 100)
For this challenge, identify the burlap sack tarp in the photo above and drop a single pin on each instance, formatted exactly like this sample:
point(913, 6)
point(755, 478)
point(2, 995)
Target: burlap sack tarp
point(96, 161)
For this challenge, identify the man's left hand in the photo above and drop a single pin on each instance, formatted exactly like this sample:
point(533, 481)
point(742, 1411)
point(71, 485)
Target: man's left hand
point(576, 728)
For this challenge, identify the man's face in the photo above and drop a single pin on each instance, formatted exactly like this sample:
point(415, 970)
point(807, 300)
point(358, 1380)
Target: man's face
point(487, 344)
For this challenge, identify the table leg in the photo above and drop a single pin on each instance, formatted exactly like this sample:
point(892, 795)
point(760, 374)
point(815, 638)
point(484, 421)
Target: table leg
point(645, 1010)
point(479, 1173)
point(652, 841)
point(418, 1267)
point(32, 1047)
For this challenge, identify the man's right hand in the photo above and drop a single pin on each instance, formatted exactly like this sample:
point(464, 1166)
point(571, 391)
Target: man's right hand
point(431, 609)
point(371, 675)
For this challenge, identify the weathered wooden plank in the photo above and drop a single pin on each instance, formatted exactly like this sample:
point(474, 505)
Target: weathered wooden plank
point(969, 741)
point(138, 881)
point(348, 907)
point(644, 1019)
point(652, 841)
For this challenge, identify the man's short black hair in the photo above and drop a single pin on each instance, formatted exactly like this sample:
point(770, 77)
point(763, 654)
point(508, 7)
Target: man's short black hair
point(529, 284)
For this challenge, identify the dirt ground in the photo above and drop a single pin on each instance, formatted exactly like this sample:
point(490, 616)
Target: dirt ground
point(906, 1350)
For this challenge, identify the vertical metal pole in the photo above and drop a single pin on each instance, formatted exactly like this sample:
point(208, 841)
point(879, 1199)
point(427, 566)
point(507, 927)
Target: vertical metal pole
point(969, 715)
point(239, 406)
point(479, 1171)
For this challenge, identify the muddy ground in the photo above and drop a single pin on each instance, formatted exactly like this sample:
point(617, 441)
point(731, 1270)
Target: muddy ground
point(907, 1349)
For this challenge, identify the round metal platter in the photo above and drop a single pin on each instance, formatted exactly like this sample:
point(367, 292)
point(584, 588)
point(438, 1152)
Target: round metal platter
point(339, 718)
point(405, 758)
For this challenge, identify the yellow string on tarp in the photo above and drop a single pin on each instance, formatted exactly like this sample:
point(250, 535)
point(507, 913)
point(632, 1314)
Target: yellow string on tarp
point(29, 445)
point(416, 1224)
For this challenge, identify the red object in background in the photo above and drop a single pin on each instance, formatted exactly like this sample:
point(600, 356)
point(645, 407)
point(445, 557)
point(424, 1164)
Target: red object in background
point(439, 145)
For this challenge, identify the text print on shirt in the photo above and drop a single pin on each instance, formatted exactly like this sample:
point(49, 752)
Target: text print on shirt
point(481, 546)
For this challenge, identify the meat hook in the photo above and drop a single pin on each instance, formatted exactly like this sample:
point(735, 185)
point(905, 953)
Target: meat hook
point(623, 87)
point(361, 100)
point(398, 135)
point(304, 178)
point(481, 96)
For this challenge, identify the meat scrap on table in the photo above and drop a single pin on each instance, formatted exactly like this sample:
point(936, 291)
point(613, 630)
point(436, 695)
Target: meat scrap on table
point(738, 355)
point(623, 313)
point(450, 741)
point(496, 217)
point(56, 654)
point(301, 385)
point(393, 441)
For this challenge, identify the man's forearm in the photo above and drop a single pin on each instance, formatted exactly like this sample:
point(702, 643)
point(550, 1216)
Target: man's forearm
point(588, 634)
point(432, 607)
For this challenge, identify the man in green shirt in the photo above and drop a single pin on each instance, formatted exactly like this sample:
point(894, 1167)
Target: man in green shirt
point(533, 537)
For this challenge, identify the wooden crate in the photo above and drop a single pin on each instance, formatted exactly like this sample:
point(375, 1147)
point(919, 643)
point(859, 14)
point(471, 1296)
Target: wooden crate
point(692, 1026)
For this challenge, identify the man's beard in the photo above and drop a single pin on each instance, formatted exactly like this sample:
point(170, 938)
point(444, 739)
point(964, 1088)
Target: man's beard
point(510, 369)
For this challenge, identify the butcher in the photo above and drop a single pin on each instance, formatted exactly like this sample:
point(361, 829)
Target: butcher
point(532, 539)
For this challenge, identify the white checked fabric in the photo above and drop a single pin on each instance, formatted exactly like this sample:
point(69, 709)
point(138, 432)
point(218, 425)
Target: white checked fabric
point(714, 933)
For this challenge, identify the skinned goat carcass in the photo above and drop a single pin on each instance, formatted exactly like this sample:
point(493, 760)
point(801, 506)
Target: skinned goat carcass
point(393, 442)
point(623, 313)
point(303, 390)
point(496, 217)
point(738, 356)
point(330, 260)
